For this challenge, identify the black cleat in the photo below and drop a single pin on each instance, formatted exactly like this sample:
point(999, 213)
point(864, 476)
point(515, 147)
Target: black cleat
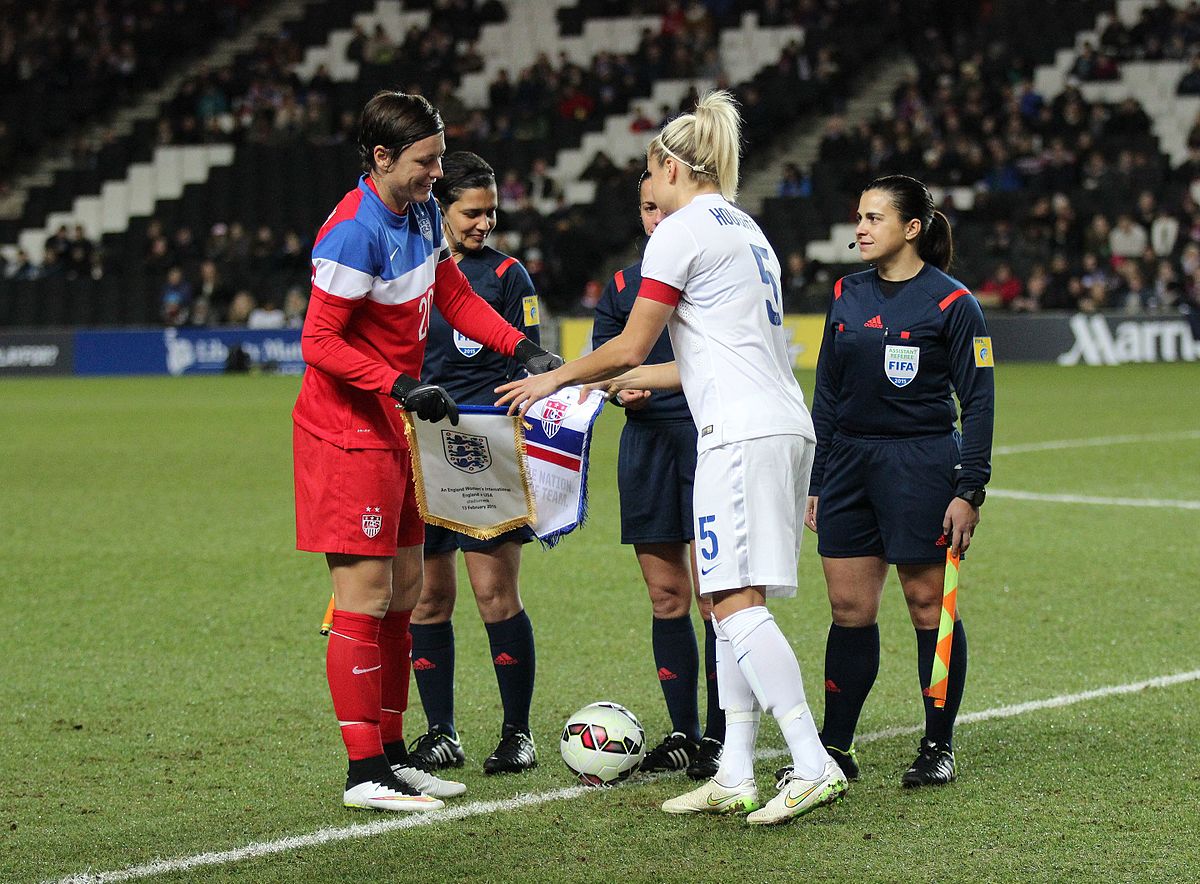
point(514, 754)
point(673, 753)
point(934, 766)
point(436, 750)
point(706, 759)
point(847, 760)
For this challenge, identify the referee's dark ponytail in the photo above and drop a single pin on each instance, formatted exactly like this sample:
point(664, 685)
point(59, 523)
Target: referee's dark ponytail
point(912, 199)
point(935, 245)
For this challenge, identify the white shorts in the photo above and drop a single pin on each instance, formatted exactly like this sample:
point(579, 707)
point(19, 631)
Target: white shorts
point(748, 504)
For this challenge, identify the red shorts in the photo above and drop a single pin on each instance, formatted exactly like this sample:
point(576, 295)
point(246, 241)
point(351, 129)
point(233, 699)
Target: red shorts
point(357, 501)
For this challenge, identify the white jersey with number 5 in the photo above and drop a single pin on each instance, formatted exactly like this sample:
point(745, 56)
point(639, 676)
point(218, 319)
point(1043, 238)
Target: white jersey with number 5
point(727, 329)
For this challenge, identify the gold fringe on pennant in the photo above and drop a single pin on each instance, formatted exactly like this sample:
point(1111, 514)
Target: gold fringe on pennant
point(410, 431)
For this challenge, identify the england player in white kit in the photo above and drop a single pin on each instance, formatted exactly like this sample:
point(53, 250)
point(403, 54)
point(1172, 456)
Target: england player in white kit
point(712, 278)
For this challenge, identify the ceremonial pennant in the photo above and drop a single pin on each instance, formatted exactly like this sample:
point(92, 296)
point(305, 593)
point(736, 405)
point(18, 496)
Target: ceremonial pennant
point(493, 472)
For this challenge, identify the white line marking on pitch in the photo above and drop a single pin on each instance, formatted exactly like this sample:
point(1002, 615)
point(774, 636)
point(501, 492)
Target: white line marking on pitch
point(1152, 502)
point(1094, 442)
point(479, 808)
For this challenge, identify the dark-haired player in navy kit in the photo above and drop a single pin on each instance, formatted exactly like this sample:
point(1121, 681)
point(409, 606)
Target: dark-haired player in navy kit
point(894, 482)
point(469, 373)
point(658, 451)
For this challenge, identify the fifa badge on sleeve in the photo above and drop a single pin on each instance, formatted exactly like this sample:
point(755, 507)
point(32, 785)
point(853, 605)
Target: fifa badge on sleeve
point(983, 353)
point(530, 304)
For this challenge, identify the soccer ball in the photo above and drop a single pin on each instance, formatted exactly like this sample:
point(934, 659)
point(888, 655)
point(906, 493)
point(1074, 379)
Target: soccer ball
point(602, 743)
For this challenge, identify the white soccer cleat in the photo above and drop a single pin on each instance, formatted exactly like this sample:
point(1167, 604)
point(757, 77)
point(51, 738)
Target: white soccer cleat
point(712, 797)
point(427, 782)
point(797, 796)
point(392, 795)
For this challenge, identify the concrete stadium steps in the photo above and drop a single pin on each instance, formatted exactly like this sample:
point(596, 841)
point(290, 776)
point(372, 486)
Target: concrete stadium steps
point(172, 169)
point(395, 20)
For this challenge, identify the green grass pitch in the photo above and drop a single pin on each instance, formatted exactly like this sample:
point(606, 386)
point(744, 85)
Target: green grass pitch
point(162, 690)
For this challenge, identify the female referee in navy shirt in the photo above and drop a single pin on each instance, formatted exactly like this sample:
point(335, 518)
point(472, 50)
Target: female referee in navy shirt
point(468, 372)
point(894, 482)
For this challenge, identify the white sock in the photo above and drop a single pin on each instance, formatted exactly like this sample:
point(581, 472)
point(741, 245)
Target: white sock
point(741, 716)
point(770, 668)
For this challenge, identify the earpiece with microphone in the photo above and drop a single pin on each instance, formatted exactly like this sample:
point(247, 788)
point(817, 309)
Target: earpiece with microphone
point(852, 245)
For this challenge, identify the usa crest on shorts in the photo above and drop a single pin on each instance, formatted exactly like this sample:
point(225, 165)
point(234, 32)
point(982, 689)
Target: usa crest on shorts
point(465, 452)
point(372, 521)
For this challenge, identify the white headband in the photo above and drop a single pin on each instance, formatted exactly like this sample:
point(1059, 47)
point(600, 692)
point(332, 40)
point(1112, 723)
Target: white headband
point(699, 170)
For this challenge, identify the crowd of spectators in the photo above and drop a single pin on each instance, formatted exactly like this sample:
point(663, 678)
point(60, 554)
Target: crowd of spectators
point(228, 275)
point(63, 61)
point(530, 114)
point(1075, 207)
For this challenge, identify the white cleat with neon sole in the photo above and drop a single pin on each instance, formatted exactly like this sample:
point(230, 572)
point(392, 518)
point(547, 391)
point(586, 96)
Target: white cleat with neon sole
point(712, 797)
point(797, 796)
point(392, 795)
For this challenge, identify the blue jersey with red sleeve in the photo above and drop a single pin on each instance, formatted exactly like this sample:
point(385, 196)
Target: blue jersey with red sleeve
point(612, 313)
point(465, 368)
point(890, 367)
point(377, 275)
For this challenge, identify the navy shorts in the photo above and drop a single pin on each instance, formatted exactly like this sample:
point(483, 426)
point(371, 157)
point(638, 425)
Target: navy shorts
point(443, 540)
point(656, 467)
point(887, 498)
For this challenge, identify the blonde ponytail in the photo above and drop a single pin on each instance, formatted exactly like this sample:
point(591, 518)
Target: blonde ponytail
point(707, 141)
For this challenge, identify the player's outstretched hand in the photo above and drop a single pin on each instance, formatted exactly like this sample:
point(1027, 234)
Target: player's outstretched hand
point(535, 359)
point(428, 402)
point(520, 394)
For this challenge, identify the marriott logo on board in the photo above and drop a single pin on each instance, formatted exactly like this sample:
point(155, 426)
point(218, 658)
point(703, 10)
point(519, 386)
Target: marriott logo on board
point(1098, 343)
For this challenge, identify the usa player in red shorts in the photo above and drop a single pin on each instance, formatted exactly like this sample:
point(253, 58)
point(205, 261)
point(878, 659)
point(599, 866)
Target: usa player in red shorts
point(380, 263)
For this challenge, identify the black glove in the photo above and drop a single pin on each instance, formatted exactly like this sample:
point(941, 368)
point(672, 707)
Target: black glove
point(429, 402)
point(535, 359)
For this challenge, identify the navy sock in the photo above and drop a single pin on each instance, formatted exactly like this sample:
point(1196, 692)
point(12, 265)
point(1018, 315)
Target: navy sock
point(511, 643)
point(714, 727)
point(433, 665)
point(939, 723)
point(851, 665)
point(678, 663)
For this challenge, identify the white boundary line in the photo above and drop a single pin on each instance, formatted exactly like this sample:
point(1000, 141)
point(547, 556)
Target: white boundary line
point(479, 808)
point(1152, 502)
point(1095, 442)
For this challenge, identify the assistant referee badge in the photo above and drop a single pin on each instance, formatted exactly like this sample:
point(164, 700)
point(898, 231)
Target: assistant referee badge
point(983, 353)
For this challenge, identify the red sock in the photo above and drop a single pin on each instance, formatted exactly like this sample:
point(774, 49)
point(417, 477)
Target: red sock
point(353, 668)
point(395, 653)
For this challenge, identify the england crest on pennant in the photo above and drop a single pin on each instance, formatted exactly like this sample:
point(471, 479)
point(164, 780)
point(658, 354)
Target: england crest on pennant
point(465, 452)
point(372, 521)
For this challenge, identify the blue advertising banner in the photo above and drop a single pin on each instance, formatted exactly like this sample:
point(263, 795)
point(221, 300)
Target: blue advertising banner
point(179, 351)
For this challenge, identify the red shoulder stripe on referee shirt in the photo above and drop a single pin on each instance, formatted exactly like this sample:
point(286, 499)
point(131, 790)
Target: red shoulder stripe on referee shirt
point(504, 265)
point(619, 279)
point(659, 291)
point(837, 289)
point(952, 297)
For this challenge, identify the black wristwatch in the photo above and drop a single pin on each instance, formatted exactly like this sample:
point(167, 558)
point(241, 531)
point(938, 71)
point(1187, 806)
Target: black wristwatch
point(974, 496)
